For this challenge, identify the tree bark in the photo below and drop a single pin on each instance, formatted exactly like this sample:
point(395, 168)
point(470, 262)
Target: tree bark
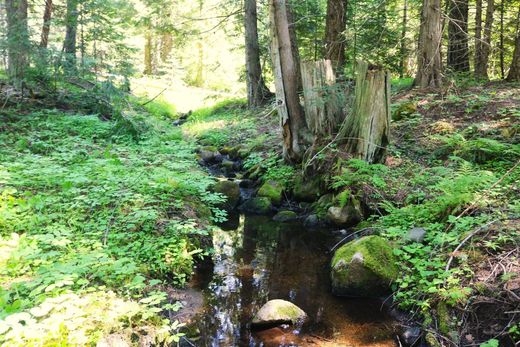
point(148, 51)
point(294, 44)
point(46, 27)
point(482, 56)
point(166, 46)
point(286, 74)
point(366, 131)
point(458, 50)
point(429, 65)
point(257, 92)
point(502, 65)
point(514, 71)
point(478, 35)
point(323, 102)
point(71, 24)
point(403, 51)
point(335, 25)
point(18, 44)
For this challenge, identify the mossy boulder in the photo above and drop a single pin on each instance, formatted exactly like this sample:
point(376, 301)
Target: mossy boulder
point(348, 215)
point(230, 190)
point(272, 190)
point(285, 216)
point(364, 268)
point(278, 312)
point(308, 190)
point(259, 205)
point(404, 110)
point(228, 165)
point(210, 154)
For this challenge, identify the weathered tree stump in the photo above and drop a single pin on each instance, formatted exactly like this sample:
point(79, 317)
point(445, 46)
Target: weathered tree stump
point(323, 102)
point(365, 131)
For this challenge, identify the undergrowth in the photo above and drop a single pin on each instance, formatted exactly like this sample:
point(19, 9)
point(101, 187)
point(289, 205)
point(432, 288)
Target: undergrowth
point(87, 212)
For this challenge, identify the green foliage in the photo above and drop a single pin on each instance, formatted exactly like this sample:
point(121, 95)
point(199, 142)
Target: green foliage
point(161, 108)
point(272, 168)
point(83, 208)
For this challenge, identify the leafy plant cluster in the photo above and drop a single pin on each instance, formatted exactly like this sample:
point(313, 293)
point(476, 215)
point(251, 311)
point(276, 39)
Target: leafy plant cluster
point(86, 209)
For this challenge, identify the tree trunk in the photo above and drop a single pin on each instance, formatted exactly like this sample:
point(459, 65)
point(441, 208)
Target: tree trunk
point(286, 73)
point(502, 65)
point(335, 25)
point(18, 44)
point(482, 59)
point(429, 66)
point(148, 51)
point(478, 36)
point(71, 23)
point(458, 51)
point(366, 131)
point(294, 44)
point(257, 93)
point(514, 71)
point(46, 27)
point(323, 104)
point(166, 46)
point(403, 51)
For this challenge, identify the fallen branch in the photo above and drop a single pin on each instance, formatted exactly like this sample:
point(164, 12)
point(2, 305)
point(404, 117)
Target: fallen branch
point(155, 97)
point(450, 260)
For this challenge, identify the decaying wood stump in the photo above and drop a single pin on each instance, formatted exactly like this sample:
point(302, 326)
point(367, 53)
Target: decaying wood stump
point(365, 131)
point(323, 101)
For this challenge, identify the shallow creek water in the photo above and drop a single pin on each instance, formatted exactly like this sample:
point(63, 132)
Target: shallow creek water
point(257, 259)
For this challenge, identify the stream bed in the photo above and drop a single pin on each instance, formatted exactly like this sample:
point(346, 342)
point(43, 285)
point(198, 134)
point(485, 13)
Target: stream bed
point(257, 259)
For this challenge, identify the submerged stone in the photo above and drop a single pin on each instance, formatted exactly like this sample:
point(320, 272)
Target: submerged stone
point(285, 216)
point(230, 190)
point(261, 205)
point(279, 311)
point(272, 190)
point(363, 268)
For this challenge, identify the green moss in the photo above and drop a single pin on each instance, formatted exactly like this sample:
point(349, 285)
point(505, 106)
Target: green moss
point(285, 216)
point(308, 190)
point(259, 205)
point(272, 190)
point(443, 318)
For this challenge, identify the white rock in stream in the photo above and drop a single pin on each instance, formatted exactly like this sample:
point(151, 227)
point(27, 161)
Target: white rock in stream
point(279, 311)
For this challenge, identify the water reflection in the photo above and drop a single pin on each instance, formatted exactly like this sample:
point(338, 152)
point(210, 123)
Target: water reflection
point(257, 259)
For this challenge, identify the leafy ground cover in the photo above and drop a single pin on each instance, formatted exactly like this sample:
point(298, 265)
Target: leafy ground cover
point(93, 226)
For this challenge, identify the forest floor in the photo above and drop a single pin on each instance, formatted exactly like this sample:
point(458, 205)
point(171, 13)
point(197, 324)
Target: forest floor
point(100, 220)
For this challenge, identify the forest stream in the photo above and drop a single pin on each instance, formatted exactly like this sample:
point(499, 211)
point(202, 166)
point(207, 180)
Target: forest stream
point(257, 259)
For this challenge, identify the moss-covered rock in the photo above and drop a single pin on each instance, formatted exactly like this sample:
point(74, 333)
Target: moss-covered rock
point(272, 190)
point(230, 190)
point(228, 165)
point(363, 268)
point(259, 205)
point(279, 311)
point(285, 216)
point(348, 215)
point(308, 190)
point(405, 110)
point(210, 154)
